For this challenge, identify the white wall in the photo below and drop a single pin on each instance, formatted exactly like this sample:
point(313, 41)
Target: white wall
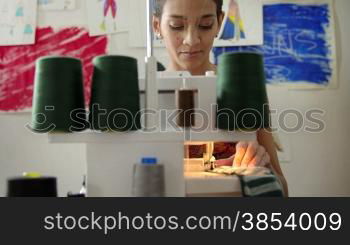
point(319, 162)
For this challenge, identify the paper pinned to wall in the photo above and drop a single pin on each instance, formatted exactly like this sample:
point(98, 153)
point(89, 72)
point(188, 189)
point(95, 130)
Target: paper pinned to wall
point(299, 44)
point(17, 22)
point(57, 4)
point(301, 35)
point(17, 64)
point(107, 16)
point(242, 24)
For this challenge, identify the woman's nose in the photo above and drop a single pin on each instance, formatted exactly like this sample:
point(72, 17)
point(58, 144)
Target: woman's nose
point(191, 37)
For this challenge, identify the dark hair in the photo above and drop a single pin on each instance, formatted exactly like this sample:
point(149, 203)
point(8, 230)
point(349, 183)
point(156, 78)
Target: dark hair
point(159, 4)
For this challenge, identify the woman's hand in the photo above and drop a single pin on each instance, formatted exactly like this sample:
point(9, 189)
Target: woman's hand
point(250, 154)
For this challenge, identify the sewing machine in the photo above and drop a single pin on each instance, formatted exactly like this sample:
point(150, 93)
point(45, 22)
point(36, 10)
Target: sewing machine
point(110, 156)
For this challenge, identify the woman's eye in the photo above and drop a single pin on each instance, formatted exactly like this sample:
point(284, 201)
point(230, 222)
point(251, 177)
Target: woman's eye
point(206, 27)
point(176, 27)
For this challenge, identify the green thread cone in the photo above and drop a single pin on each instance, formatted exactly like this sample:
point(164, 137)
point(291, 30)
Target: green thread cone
point(241, 92)
point(58, 100)
point(115, 99)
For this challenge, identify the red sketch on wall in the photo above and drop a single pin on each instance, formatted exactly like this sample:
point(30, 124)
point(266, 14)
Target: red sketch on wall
point(17, 63)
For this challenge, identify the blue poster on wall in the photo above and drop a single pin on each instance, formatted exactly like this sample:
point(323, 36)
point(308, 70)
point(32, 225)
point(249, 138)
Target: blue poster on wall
point(299, 44)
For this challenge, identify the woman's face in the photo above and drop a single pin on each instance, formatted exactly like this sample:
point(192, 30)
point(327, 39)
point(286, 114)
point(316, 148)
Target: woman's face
point(188, 29)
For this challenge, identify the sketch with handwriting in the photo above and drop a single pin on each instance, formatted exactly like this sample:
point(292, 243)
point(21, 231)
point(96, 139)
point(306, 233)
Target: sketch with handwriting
point(299, 44)
point(17, 64)
point(17, 22)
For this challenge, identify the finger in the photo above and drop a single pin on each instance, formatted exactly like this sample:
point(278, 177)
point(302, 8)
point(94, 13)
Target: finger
point(241, 148)
point(223, 162)
point(266, 159)
point(250, 153)
point(259, 157)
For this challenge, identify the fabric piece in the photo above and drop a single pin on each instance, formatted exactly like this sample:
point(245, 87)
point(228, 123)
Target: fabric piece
point(255, 181)
point(261, 186)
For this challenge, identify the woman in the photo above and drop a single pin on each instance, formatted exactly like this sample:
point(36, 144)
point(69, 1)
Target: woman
point(188, 29)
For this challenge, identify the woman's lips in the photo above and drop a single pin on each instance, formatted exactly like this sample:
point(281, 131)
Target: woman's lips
point(191, 54)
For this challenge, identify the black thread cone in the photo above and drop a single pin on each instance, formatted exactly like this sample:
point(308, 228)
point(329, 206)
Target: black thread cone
point(32, 187)
point(115, 99)
point(58, 100)
point(241, 92)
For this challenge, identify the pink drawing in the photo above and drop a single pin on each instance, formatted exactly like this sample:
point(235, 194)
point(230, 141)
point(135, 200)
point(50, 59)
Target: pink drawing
point(112, 5)
point(17, 63)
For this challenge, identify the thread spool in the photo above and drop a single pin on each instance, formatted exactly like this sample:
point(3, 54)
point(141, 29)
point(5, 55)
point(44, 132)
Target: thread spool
point(115, 90)
point(32, 187)
point(148, 179)
point(58, 100)
point(241, 92)
point(184, 100)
